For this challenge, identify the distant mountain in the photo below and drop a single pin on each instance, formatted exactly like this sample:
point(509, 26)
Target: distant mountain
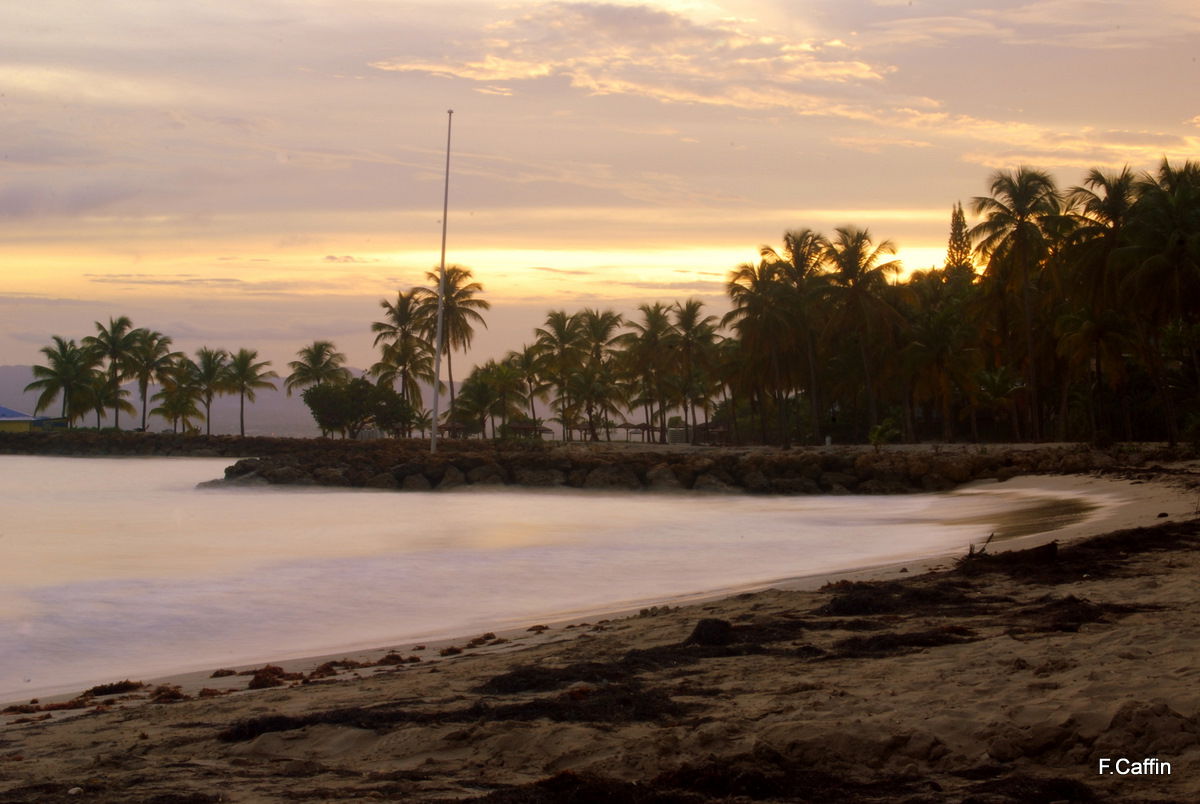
point(275, 413)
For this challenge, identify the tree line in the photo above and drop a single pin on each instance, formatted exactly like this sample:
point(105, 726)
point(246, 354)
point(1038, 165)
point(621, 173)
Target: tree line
point(85, 378)
point(1064, 313)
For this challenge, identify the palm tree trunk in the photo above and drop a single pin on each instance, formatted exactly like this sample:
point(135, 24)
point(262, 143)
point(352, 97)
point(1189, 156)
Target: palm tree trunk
point(242, 413)
point(450, 375)
point(872, 411)
point(1035, 415)
point(143, 387)
point(1064, 399)
point(813, 392)
point(116, 386)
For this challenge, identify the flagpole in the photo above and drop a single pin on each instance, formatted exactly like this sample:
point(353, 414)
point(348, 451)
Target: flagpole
point(437, 343)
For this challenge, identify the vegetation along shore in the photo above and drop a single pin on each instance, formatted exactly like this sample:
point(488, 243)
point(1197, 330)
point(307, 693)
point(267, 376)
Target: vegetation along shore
point(1064, 314)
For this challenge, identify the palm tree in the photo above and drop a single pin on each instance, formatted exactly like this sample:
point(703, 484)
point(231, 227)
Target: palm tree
point(530, 363)
point(762, 320)
point(407, 354)
point(938, 358)
point(802, 270)
point(211, 373)
point(179, 395)
point(647, 352)
point(320, 362)
point(244, 376)
point(407, 362)
point(460, 312)
point(1105, 203)
point(404, 319)
point(1014, 239)
point(104, 395)
point(694, 340)
point(598, 334)
point(68, 374)
point(114, 343)
point(857, 288)
point(1162, 267)
point(149, 361)
point(507, 385)
point(560, 341)
point(595, 387)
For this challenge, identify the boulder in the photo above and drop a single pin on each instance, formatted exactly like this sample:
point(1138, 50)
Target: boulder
point(403, 470)
point(243, 467)
point(612, 476)
point(383, 480)
point(661, 477)
point(451, 478)
point(416, 482)
point(713, 481)
point(286, 474)
point(330, 475)
point(488, 474)
point(838, 482)
point(529, 476)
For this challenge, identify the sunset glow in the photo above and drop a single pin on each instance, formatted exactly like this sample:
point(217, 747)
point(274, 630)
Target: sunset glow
point(279, 154)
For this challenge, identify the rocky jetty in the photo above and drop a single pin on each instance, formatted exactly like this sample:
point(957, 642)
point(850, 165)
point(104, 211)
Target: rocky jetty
point(409, 466)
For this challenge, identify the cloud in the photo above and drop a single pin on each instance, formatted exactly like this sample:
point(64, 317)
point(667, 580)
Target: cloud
point(699, 286)
point(219, 283)
point(875, 145)
point(96, 86)
point(25, 200)
point(560, 270)
point(646, 52)
point(1094, 24)
point(1079, 24)
point(346, 258)
point(609, 49)
point(932, 30)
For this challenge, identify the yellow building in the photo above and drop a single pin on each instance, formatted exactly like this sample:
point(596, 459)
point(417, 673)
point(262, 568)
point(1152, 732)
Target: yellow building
point(13, 422)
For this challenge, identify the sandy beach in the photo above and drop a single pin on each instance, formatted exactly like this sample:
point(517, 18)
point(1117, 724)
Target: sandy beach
point(991, 679)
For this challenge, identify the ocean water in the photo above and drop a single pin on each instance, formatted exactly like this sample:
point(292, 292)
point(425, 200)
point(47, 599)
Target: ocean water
point(114, 568)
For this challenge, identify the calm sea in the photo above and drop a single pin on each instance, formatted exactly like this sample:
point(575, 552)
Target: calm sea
point(118, 568)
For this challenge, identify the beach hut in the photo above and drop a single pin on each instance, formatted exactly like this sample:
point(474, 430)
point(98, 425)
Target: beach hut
point(12, 421)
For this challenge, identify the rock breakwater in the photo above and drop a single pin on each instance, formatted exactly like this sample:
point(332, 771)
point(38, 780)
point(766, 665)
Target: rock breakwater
point(408, 465)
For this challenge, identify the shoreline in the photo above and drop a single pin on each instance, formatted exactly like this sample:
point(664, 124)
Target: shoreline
point(1119, 514)
point(1001, 679)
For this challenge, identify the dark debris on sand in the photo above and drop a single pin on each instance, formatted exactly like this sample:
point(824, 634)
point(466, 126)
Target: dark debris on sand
point(1098, 557)
point(856, 598)
point(891, 643)
point(762, 776)
point(612, 703)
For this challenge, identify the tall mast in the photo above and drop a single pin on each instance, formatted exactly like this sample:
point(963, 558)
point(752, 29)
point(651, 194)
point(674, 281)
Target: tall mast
point(437, 342)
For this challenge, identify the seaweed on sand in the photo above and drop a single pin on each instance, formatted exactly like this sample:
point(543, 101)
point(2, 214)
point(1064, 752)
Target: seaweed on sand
point(1022, 789)
point(851, 599)
point(1098, 557)
point(890, 643)
point(711, 639)
point(1051, 613)
point(611, 703)
point(537, 678)
point(760, 776)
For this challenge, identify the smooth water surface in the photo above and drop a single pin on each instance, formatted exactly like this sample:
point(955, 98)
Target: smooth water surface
point(120, 567)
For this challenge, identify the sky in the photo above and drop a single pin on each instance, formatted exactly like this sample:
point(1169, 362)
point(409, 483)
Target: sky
point(261, 173)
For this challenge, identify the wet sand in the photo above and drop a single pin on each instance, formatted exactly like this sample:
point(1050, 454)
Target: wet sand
point(992, 679)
